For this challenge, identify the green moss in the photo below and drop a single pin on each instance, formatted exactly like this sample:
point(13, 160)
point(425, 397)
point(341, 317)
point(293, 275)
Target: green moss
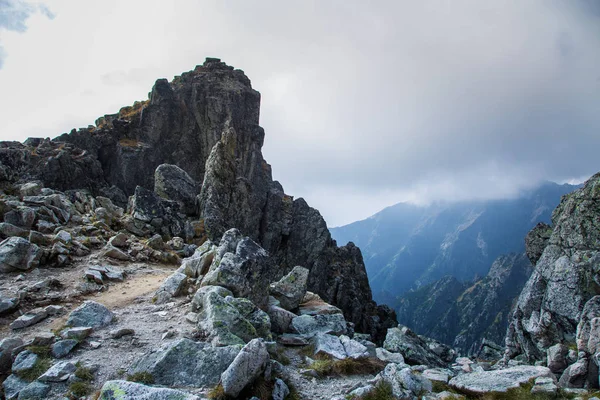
point(144, 377)
point(41, 365)
point(79, 389)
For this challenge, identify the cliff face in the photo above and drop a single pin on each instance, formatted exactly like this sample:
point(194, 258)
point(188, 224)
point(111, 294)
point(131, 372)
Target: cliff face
point(565, 280)
point(206, 122)
point(464, 315)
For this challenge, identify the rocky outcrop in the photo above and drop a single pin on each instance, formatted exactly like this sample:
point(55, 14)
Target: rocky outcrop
point(470, 316)
point(557, 304)
point(205, 126)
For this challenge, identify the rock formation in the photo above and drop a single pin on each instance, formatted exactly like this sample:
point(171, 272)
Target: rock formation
point(559, 304)
point(205, 123)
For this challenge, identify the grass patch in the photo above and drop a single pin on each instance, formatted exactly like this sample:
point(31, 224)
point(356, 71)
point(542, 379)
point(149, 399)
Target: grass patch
point(141, 377)
point(129, 143)
point(83, 373)
point(348, 366)
point(308, 350)
point(279, 355)
point(41, 365)
point(382, 391)
point(217, 393)
point(79, 389)
point(42, 351)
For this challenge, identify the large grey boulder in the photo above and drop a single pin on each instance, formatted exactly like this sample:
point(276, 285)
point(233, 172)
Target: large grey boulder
point(12, 385)
point(197, 264)
point(329, 345)
point(34, 391)
point(248, 365)
point(290, 289)
point(59, 372)
point(18, 254)
point(557, 358)
point(173, 286)
point(185, 363)
point(173, 183)
point(280, 318)
point(24, 361)
point(90, 314)
point(415, 349)
point(309, 326)
point(498, 381)
point(228, 320)
point(116, 390)
point(229, 274)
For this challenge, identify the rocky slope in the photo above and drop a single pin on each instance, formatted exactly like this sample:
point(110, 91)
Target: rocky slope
point(472, 317)
point(407, 246)
point(206, 123)
point(558, 308)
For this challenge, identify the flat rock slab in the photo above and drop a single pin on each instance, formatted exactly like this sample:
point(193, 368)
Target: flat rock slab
point(131, 390)
point(499, 381)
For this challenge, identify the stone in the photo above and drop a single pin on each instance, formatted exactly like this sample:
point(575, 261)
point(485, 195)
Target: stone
point(228, 320)
point(438, 375)
point(557, 358)
point(388, 356)
point(184, 363)
point(90, 314)
point(575, 375)
point(173, 286)
point(353, 348)
point(499, 381)
point(156, 242)
point(7, 345)
point(414, 349)
point(24, 361)
point(312, 304)
point(290, 289)
point(34, 391)
point(38, 238)
point(59, 372)
point(405, 383)
point(198, 264)
point(292, 340)
point(229, 274)
point(173, 183)
point(13, 385)
point(248, 365)
point(545, 386)
point(30, 189)
point(78, 333)
point(113, 252)
point(7, 230)
point(94, 276)
point(328, 344)
point(311, 325)
point(119, 333)
point(536, 241)
point(280, 390)
point(280, 319)
point(30, 318)
point(8, 305)
point(64, 237)
point(117, 390)
point(119, 240)
point(18, 254)
point(62, 348)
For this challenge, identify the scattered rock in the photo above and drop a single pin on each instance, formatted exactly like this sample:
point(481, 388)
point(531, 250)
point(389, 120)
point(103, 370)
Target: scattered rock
point(405, 383)
point(184, 363)
point(8, 305)
point(119, 333)
point(280, 390)
point(545, 386)
point(63, 347)
point(498, 381)
point(7, 345)
point(414, 349)
point(131, 390)
point(329, 345)
point(311, 325)
point(13, 385)
point(59, 372)
point(34, 391)
point(78, 333)
point(18, 254)
point(280, 319)
point(90, 314)
point(245, 368)
point(24, 361)
point(290, 289)
point(388, 356)
point(557, 358)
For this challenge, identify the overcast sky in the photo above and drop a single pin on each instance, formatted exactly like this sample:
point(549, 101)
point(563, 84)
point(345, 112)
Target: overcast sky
point(365, 104)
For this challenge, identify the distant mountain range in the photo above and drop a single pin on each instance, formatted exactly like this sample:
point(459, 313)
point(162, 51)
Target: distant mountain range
point(407, 246)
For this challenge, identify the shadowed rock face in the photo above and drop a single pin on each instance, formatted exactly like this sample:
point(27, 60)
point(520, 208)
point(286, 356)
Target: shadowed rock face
point(565, 277)
point(206, 123)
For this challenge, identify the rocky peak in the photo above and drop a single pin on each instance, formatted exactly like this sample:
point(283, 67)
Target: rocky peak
point(204, 125)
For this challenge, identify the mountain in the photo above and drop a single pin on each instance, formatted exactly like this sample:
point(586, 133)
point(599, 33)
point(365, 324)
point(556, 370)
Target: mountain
point(467, 315)
point(407, 246)
point(201, 133)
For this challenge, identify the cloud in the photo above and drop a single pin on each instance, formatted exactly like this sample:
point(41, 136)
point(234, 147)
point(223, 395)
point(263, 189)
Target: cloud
point(13, 17)
point(364, 105)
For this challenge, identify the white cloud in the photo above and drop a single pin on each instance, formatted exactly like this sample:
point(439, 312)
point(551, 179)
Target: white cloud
point(364, 105)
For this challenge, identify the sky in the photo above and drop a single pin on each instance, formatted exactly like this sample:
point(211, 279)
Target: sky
point(364, 104)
